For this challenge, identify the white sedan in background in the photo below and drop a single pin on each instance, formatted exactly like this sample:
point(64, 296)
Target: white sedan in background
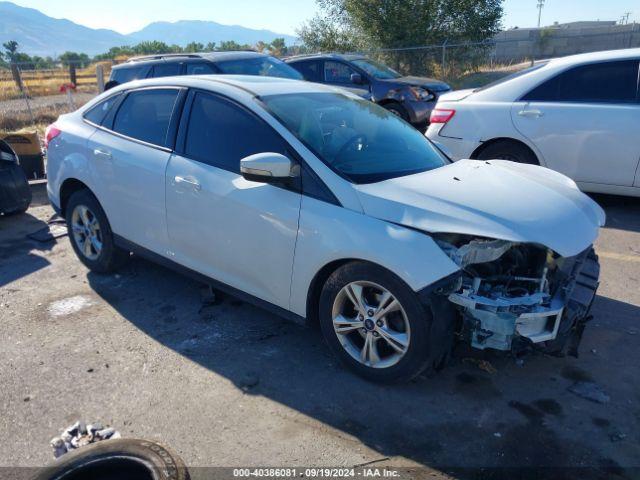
point(579, 115)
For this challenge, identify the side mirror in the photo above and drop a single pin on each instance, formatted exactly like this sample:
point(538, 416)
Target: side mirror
point(268, 167)
point(356, 78)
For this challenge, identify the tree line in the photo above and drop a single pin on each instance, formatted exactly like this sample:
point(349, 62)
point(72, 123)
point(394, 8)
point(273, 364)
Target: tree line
point(11, 53)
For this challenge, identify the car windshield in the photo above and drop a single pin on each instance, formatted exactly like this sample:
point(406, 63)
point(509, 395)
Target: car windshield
point(376, 69)
point(511, 76)
point(264, 66)
point(356, 138)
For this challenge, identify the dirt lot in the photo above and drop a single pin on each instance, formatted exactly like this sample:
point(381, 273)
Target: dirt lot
point(232, 385)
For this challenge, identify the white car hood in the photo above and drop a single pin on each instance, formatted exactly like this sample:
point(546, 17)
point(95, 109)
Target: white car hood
point(496, 199)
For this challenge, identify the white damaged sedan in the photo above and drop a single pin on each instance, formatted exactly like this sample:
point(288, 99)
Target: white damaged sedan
point(316, 204)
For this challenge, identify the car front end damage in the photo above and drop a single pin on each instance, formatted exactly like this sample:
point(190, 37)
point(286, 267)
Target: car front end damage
point(512, 296)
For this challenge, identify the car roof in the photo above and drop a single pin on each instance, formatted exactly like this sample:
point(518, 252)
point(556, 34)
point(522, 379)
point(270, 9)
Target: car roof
point(627, 53)
point(255, 85)
point(178, 57)
point(347, 57)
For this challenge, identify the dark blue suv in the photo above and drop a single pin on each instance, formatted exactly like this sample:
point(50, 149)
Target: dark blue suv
point(411, 98)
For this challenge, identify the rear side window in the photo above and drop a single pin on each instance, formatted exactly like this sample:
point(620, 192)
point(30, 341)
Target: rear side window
point(98, 113)
point(200, 69)
point(221, 133)
point(609, 82)
point(309, 70)
point(145, 115)
point(128, 74)
point(166, 70)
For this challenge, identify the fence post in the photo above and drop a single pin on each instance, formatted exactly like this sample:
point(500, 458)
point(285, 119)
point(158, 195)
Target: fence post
point(100, 77)
point(444, 58)
point(72, 73)
point(17, 78)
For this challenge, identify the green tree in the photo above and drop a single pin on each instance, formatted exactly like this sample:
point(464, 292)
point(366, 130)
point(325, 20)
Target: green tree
point(11, 50)
point(278, 48)
point(194, 47)
point(72, 58)
point(211, 46)
point(400, 23)
point(231, 45)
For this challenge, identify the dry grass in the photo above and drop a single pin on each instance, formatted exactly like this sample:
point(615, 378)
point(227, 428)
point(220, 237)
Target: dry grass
point(48, 82)
point(42, 117)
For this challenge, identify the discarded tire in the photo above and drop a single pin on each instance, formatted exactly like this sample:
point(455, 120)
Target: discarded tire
point(121, 459)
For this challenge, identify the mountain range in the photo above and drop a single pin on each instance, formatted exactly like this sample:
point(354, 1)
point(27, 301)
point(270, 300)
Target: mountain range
point(39, 34)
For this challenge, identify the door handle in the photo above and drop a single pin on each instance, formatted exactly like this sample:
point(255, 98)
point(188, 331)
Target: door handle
point(188, 180)
point(530, 113)
point(102, 153)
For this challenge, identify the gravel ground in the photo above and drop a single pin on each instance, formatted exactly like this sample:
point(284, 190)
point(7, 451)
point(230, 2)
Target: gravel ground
point(232, 385)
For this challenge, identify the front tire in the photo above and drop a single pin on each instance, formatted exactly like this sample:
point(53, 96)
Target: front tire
point(398, 110)
point(375, 323)
point(90, 234)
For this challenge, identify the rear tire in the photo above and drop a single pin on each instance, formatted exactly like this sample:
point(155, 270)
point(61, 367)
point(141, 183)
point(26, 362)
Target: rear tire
point(508, 150)
point(409, 323)
point(90, 234)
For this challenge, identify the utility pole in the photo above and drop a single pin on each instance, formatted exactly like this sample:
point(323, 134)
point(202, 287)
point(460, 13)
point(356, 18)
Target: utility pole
point(625, 18)
point(540, 7)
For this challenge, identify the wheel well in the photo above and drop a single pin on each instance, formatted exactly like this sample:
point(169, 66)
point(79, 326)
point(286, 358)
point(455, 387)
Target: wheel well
point(315, 289)
point(68, 188)
point(388, 101)
point(493, 141)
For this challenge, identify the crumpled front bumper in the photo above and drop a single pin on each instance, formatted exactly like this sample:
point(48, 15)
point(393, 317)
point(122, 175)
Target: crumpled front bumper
point(497, 322)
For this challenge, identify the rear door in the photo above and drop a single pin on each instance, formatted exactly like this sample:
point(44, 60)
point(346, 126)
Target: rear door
point(130, 154)
point(238, 232)
point(584, 122)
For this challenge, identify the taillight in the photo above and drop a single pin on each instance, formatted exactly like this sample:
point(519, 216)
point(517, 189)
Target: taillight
point(50, 133)
point(441, 115)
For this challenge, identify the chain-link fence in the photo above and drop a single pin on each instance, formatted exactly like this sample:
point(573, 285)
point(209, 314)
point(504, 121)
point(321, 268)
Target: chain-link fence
point(474, 64)
point(33, 95)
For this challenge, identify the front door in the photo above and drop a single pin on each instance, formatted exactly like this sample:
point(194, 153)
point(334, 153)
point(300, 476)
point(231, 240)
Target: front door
point(239, 232)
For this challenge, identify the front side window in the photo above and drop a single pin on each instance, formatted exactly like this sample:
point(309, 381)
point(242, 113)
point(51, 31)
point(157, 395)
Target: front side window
point(145, 115)
point(337, 72)
point(354, 137)
point(166, 70)
point(98, 113)
point(376, 69)
point(221, 133)
point(263, 66)
point(608, 82)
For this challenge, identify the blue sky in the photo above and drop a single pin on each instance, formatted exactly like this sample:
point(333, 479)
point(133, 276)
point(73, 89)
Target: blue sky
point(284, 16)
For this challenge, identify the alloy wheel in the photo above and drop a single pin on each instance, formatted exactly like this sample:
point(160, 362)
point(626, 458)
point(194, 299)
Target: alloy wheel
point(371, 324)
point(87, 234)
